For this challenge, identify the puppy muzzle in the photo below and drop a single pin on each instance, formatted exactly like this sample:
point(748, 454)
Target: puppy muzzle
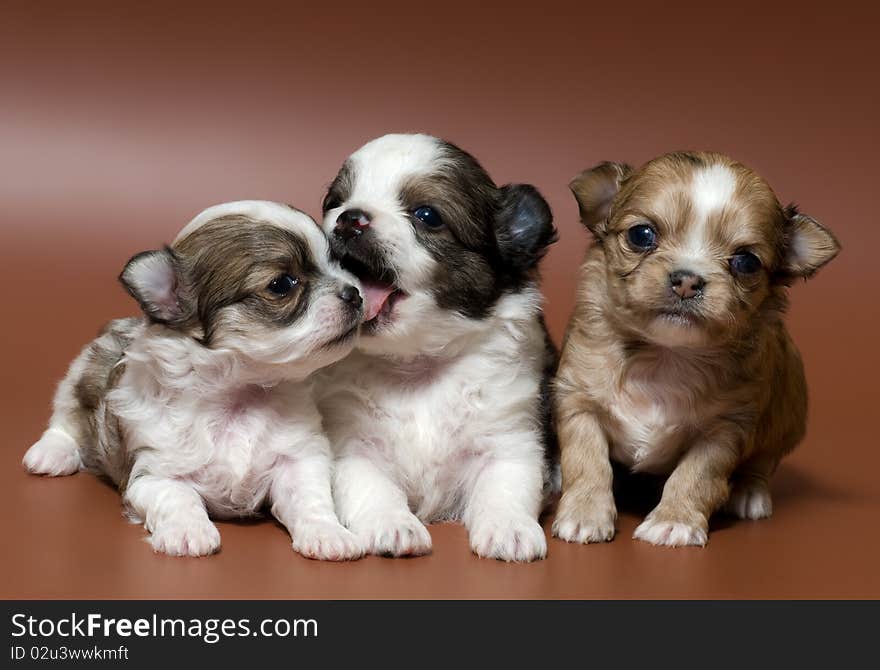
point(362, 255)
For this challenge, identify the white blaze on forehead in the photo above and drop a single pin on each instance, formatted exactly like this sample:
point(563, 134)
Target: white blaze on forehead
point(265, 211)
point(712, 189)
point(380, 166)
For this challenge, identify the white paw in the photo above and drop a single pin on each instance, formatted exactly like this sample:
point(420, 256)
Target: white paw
point(55, 454)
point(585, 526)
point(191, 537)
point(519, 539)
point(670, 533)
point(751, 501)
point(394, 534)
point(326, 541)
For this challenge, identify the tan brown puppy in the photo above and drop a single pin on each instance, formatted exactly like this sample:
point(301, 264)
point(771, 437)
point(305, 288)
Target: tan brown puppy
point(677, 360)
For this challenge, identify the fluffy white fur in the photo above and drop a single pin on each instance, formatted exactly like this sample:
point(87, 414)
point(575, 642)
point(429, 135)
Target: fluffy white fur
point(448, 435)
point(712, 189)
point(217, 431)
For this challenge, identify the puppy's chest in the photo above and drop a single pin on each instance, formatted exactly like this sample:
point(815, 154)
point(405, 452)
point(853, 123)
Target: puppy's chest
point(423, 422)
point(434, 444)
point(430, 422)
point(234, 443)
point(235, 433)
point(654, 411)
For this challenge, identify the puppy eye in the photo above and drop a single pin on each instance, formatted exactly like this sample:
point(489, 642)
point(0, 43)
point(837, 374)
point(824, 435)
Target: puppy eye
point(282, 285)
point(642, 237)
point(745, 263)
point(429, 216)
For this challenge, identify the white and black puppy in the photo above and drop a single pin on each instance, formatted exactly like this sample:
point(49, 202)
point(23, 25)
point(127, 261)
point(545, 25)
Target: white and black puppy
point(201, 407)
point(441, 412)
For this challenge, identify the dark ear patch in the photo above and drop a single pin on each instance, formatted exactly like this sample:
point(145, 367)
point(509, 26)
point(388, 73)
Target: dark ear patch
point(808, 244)
point(153, 278)
point(595, 190)
point(524, 226)
point(340, 189)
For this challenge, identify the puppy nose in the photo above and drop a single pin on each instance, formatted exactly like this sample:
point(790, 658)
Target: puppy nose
point(351, 295)
point(351, 223)
point(686, 284)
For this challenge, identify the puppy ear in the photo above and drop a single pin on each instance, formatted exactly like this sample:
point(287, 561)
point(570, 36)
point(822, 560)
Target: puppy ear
point(595, 189)
point(524, 227)
point(153, 278)
point(808, 244)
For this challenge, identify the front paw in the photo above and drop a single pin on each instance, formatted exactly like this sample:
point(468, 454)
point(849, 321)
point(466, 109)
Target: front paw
point(591, 521)
point(394, 534)
point(197, 537)
point(750, 501)
point(519, 539)
point(55, 454)
point(673, 530)
point(326, 541)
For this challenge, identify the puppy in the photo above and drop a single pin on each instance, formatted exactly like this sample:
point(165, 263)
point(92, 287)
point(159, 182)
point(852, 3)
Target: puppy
point(677, 360)
point(201, 407)
point(441, 413)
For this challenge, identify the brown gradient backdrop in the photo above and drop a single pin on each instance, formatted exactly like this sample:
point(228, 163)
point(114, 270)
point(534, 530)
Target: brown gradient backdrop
point(117, 124)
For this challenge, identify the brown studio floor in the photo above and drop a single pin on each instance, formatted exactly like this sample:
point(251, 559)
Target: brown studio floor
point(66, 539)
point(119, 123)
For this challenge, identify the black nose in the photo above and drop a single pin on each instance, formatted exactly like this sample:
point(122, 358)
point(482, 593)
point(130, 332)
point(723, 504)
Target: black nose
point(351, 223)
point(351, 295)
point(686, 284)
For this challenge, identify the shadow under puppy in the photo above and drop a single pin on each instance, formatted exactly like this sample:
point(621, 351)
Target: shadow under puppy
point(676, 360)
point(202, 407)
point(441, 413)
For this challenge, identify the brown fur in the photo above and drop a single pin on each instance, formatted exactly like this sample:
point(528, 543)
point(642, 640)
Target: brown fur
point(709, 391)
point(231, 260)
point(101, 369)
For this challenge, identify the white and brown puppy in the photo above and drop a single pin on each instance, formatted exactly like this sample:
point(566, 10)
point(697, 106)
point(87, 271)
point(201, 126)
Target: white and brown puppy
point(201, 408)
point(441, 412)
point(677, 360)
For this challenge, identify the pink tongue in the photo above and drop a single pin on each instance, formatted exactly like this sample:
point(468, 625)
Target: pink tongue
point(375, 296)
